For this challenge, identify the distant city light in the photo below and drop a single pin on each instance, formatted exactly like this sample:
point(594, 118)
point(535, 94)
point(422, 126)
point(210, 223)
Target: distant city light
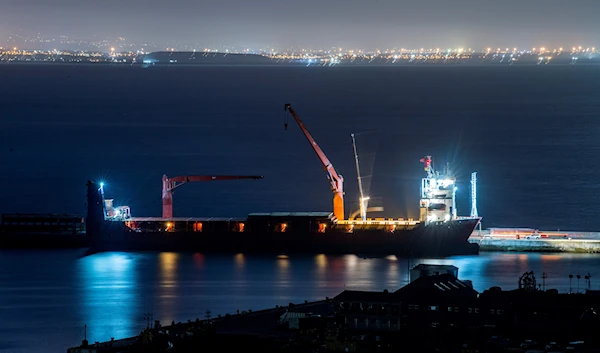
point(313, 57)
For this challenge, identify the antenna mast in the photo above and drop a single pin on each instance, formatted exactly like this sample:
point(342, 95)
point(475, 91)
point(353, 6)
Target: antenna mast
point(474, 194)
point(363, 199)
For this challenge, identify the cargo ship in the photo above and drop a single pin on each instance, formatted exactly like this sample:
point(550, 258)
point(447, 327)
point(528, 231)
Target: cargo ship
point(437, 232)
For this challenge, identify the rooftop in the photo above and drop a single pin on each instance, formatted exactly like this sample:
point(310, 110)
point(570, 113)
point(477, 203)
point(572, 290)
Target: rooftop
point(352, 296)
point(437, 285)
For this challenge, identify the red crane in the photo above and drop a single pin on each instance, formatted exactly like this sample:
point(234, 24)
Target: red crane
point(170, 184)
point(336, 181)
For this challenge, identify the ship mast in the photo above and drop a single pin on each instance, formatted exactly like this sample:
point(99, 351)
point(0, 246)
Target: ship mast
point(363, 199)
point(474, 195)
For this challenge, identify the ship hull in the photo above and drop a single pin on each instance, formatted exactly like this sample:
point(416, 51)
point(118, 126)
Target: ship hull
point(441, 240)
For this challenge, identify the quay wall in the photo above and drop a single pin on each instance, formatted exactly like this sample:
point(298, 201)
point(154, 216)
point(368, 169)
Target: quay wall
point(573, 242)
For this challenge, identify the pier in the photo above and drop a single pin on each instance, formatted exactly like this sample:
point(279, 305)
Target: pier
point(548, 241)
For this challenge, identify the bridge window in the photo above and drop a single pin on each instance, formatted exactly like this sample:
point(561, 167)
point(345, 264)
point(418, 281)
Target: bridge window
point(437, 207)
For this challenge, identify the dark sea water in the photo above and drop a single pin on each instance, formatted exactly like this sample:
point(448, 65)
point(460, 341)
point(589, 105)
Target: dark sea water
point(531, 133)
point(47, 297)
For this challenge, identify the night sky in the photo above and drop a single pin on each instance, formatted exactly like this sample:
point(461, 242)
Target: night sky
point(361, 24)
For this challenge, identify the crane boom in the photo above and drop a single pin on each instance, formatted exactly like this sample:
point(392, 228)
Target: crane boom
point(170, 184)
point(336, 181)
point(363, 199)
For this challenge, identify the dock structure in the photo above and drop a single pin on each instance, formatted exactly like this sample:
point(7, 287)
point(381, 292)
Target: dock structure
point(531, 240)
point(43, 223)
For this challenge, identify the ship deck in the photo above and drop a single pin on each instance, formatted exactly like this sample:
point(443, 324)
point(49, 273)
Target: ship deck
point(186, 219)
point(378, 221)
point(388, 221)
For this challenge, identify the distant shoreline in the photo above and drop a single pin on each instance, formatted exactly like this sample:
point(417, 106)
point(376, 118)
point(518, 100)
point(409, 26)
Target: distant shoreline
point(228, 59)
point(182, 65)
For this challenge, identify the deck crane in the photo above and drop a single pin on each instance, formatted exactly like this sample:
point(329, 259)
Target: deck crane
point(336, 181)
point(363, 200)
point(170, 184)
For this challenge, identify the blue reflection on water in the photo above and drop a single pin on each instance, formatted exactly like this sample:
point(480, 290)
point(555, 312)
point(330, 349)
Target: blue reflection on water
point(109, 304)
point(504, 269)
point(54, 294)
point(118, 288)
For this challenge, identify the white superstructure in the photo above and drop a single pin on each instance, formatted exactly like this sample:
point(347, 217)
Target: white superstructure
point(438, 194)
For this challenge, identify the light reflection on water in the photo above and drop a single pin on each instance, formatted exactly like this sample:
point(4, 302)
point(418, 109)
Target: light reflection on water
point(168, 285)
point(504, 269)
point(321, 267)
point(111, 292)
point(283, 280)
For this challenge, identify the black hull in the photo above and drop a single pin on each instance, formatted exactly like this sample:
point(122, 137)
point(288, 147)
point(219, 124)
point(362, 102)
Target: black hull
point(441, 240)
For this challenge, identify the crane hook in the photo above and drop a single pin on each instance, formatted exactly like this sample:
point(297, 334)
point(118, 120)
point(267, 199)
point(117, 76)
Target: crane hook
point(285, 125)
